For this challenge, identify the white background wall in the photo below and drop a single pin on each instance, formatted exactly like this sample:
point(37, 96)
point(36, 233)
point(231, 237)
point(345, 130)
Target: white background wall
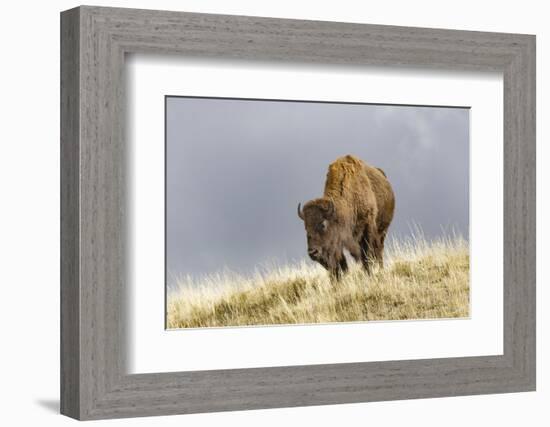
point(29, 214)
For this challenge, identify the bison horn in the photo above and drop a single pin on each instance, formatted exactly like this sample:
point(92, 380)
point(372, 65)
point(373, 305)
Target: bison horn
point(300, 213)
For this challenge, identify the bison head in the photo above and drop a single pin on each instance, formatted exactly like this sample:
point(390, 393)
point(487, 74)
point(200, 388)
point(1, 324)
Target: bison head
point(319, 218)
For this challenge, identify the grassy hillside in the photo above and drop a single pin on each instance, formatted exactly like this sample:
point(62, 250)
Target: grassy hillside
point(421, 280)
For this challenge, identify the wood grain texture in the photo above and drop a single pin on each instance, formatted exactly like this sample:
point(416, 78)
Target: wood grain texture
point(70, 221)
point(94, 269)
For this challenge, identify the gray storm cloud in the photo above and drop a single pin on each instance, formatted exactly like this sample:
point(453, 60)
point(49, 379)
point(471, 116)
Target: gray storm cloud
point(236, 169)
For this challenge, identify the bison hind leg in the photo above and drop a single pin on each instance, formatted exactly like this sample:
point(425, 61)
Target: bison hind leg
point(370, 249)
point(380, 252)
point(380, 244)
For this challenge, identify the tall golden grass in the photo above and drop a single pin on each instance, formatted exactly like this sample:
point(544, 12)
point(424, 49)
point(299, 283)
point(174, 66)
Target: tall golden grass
point(421, 280)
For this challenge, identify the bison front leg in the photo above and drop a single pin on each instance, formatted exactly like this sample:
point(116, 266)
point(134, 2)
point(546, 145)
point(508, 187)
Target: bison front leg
point(339, 266)
point(343, 264)
point(335, 274)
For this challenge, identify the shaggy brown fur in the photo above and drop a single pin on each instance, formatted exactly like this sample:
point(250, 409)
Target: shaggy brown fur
point(354, 214)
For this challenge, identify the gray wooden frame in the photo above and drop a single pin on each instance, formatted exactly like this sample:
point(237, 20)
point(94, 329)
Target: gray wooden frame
point(94, 382)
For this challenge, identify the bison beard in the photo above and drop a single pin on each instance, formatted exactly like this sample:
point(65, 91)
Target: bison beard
point(354, 214)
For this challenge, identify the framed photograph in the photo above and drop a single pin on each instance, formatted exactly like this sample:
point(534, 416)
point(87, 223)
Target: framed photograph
point(261, 213)
point(238, 243)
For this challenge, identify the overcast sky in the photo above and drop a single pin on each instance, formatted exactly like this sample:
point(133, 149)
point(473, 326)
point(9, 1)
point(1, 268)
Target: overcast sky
point(236, 170)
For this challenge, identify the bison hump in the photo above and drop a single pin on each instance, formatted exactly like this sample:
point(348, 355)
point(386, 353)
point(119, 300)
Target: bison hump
point(382, 172)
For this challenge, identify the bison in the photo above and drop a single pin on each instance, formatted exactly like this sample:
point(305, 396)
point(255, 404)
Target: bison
point(354, 214)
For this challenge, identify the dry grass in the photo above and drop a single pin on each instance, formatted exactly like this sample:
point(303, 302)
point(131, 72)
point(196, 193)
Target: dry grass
point(421, 280)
